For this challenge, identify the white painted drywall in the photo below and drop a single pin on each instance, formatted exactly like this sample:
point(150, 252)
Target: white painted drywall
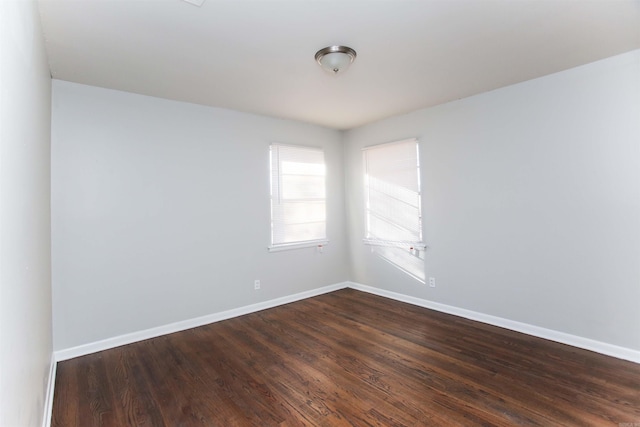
point(160, 212)
point(531, 201)
point(25, 249)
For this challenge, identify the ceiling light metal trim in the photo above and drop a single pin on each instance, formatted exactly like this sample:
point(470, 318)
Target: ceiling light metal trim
point(333, 50)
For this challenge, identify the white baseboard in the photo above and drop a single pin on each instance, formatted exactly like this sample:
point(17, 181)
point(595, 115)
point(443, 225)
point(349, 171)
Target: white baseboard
point(48, 398)
point(549, 334)
point(536, 331)
point(561, 337)
point(118, 341)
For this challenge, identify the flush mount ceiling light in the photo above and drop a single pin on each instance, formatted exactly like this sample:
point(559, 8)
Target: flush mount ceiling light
point(335, 59)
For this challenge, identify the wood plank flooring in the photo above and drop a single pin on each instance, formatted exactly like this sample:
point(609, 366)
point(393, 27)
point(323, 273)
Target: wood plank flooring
point(346, 358)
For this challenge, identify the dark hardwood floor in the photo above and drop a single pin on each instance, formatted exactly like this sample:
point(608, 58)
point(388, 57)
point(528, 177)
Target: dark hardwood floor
point(346, 358)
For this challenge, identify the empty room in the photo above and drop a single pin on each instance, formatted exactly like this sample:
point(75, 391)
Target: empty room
point(319, 213)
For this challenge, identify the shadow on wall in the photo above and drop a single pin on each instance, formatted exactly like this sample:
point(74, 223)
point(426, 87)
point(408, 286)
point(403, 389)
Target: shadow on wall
point(409, 261)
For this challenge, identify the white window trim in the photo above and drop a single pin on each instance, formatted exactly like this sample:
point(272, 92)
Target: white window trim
point(298, 245)
point(418, 246)
point(402, 141)
point(318, 243)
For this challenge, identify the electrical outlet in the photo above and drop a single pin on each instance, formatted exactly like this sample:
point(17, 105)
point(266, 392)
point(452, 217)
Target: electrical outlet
point(432, 282)
point(256, 284)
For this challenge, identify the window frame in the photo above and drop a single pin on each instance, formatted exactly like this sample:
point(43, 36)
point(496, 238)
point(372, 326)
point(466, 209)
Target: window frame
point(276, 199)
point(413, 245)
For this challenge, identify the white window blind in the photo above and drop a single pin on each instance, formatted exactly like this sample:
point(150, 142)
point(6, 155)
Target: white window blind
point(393, 199)
point(298, 208)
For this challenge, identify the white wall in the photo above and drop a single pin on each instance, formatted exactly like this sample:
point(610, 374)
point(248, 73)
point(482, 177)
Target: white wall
point(160, 212)
point(25, 260)
point(531, 201)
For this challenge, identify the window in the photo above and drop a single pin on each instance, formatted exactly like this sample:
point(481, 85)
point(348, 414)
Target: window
point(298, 208)
point(393, 205)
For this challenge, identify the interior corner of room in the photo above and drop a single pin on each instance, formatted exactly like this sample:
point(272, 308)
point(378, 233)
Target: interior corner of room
point(125, 216)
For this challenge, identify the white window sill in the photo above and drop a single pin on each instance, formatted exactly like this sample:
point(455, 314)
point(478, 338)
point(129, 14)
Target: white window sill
point(415, 245)
point(301, 245)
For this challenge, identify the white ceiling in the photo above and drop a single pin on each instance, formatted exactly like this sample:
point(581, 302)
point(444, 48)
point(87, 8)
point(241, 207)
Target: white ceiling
point(258, 56)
